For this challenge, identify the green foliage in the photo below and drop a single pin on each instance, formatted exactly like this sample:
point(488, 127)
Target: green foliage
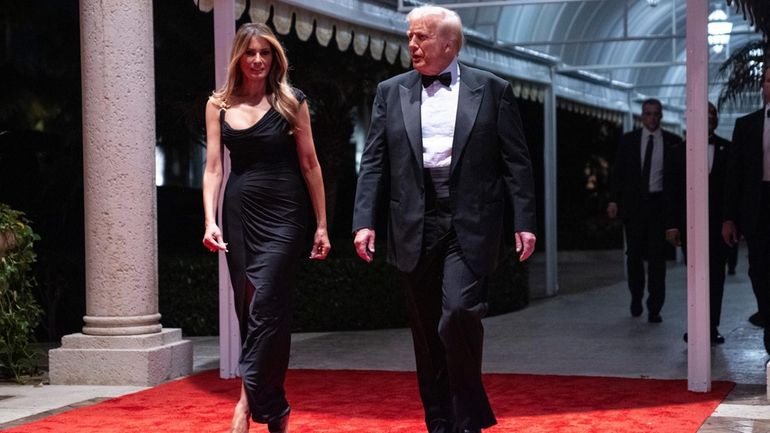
point(19, 312)
point(338, 294)
point(188, 294)
point(742, 72)
point(757, 11)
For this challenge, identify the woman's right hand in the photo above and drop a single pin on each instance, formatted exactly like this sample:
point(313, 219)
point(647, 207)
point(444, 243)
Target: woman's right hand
point(212, 239)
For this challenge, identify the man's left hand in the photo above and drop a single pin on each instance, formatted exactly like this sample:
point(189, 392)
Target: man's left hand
point(525, 244)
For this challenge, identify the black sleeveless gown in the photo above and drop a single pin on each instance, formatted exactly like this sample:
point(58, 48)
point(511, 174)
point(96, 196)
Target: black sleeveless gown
point(264, 220)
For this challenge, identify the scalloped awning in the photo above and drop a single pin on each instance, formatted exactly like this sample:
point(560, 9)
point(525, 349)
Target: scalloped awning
point(379, 31)
point(375, 30)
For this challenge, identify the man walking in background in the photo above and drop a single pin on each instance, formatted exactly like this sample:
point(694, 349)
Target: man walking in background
point(747, 199)
point(636, 196)
point(718, 153)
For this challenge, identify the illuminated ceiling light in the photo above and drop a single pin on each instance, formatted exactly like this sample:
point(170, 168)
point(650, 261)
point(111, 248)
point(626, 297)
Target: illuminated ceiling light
point(652, 3)
point(719, 30)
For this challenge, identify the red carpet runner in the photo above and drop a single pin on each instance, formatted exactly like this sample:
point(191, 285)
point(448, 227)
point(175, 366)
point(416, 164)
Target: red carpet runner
point(387, 402)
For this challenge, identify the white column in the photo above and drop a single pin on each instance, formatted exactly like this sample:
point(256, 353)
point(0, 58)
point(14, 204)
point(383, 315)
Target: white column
point(549, 172)
point(123, 341)
point(628, 126)
point(698, 330)
point(229, 334)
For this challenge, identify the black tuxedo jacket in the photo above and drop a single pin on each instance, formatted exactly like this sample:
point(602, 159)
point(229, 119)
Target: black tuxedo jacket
point(743, 191)
point(490, 185)
point(717, 181)
point(626, 178)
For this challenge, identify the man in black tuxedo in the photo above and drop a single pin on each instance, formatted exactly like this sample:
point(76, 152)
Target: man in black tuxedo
point(640, 174)
point(718, 154)
point(446, 141)
point(747, 199)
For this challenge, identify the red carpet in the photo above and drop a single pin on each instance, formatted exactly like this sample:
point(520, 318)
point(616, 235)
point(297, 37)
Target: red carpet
point(387, 402)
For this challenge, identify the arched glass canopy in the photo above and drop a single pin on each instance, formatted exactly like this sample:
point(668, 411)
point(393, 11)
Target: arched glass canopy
point(640, 43)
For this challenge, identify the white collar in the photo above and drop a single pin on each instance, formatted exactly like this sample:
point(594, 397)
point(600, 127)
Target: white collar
point(454, 69)
point(646, 132)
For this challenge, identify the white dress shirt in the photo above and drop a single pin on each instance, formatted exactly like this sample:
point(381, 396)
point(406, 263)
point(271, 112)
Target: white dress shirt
point(438, 113)
point(656, 165)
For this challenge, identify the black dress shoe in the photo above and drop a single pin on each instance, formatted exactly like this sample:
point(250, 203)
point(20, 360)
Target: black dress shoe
point(279, 425)
point(440, 425)
point(716, 337)
point(636, 308)
point(654, 318)
point(757, 320)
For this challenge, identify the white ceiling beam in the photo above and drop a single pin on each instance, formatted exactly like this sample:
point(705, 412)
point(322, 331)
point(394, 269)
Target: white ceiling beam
point(598, 67)
point(415, 3)
point(604, 40)
point(658, 86)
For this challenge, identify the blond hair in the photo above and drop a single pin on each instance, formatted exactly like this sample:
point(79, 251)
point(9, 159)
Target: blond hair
point(278, 90)
point(448, 21)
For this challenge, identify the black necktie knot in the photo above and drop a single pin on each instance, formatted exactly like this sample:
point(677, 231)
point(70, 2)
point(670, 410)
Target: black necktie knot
point(445, 79)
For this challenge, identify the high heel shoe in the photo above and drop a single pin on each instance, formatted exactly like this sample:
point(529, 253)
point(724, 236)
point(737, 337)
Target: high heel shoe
point(240, 424)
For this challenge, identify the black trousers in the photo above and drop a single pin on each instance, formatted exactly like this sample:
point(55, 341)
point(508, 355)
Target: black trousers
point(446, 302)
point(718, 257)
point(758, 244)
point(646, 241)
point(732, 257)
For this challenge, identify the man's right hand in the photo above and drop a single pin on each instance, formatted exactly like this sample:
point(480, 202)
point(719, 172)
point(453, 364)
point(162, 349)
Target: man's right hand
point(612, 210)
point(729, 233)
point(673, 237)
point(364, 244)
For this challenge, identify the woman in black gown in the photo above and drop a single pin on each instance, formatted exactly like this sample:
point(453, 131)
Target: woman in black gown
point(265, 124)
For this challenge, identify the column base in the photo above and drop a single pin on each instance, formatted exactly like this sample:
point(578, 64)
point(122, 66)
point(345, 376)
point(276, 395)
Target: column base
point(140, 360)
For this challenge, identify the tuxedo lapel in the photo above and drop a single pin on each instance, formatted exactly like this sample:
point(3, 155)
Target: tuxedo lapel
point(410, 93)
point(469, 101)
point(719, 160)
point(756, 146)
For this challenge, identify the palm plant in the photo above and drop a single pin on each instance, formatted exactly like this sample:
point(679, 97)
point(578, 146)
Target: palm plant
point(757, 12)
point(743, 69)
point(743, 73)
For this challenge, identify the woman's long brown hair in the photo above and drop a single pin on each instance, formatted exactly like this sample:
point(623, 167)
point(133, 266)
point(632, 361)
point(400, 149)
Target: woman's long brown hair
point(278, 89)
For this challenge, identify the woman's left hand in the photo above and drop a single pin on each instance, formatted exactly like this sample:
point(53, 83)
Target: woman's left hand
point(321, 245)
